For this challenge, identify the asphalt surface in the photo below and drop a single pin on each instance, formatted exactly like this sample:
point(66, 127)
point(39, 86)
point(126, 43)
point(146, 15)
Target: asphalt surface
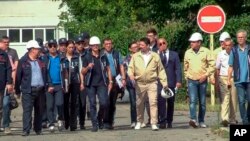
point(122, 131)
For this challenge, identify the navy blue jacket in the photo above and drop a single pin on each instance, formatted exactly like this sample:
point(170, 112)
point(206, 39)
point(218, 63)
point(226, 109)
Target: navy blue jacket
point(5, 70)
point(172, 68)
point(47, 61)
point(23, 76)
point(71, 70)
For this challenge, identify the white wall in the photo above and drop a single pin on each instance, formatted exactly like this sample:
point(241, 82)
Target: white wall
point(30, 14)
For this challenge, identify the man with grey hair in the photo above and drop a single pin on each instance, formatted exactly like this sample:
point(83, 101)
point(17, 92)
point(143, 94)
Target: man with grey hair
point(239, 65)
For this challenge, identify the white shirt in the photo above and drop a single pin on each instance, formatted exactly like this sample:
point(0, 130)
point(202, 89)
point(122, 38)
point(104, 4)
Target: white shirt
point(151, 47)
point(222, 63)
point(167, 55)
point(146, 58)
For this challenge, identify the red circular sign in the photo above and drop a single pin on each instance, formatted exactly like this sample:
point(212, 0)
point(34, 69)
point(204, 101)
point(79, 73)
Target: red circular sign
point(211, 19)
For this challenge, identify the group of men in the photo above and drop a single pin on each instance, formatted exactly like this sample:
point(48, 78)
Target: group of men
point(56, 81)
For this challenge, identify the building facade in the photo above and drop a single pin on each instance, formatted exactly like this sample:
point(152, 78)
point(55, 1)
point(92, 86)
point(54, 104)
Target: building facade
point(23, 20)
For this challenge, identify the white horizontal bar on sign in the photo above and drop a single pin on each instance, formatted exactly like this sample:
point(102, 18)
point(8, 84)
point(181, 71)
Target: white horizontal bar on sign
point(211, 19)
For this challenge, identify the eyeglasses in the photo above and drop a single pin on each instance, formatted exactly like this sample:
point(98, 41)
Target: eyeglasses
point(162, 43)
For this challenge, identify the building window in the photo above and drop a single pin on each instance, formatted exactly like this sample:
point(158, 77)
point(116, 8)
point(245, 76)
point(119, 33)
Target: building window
point(50, 34)
point(39, 33)
point(3, 33)
point(14, 35)
point(27, 34)
point(23, 35)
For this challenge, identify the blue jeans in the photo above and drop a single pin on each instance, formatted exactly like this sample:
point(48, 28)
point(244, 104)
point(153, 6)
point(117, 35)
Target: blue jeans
point(6, 111)
point(197, 90)
point(243, 91)
point(132, 99)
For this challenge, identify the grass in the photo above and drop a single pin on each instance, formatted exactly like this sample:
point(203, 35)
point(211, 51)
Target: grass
point(185, 107)
point(220, 131)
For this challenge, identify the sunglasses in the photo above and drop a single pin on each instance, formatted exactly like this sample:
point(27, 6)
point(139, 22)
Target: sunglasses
point(50, 46)
point(162, 43)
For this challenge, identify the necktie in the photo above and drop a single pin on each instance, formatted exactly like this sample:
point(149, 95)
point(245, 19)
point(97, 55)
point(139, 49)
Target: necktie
point(164, 60)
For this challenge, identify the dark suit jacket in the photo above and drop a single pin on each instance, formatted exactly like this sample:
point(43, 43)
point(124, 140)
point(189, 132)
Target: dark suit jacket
point(155, 48)
point(172, 68)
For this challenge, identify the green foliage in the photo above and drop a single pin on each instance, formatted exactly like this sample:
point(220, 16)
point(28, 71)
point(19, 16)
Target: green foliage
point(128, 20)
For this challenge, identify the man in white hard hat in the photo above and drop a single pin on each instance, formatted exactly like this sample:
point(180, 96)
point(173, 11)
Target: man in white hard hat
point(198, 66)
point(94, 69)
point(31, 76)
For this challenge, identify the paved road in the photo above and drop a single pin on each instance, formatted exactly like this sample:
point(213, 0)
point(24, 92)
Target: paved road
point(122, 132)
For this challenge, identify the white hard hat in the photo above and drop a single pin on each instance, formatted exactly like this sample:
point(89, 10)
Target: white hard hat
point(94, 40)
point(196, 37)
point(224, 36)
point(167, 93)
point(32, 44)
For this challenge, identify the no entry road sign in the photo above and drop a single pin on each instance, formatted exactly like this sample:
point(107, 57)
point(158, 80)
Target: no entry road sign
point(211, 19)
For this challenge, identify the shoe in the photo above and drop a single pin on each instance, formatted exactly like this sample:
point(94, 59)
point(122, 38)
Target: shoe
point(193, 123)
point(108, 127)
point(44, 125)
point(94, 129)
point(132, 125)
point(25, 134)
point(1, 129)
point(169, 125)
point(203, 125)
point(235, 122)
point(162, 126)
point(38, 132)
point(60, 125)
point(72, 129)
point(7, 131)
point(224, 123)
point(52, 129)
point(143, 125)
point(100, 124)
point(138, 126)
point(154, 127)
point(82, 127)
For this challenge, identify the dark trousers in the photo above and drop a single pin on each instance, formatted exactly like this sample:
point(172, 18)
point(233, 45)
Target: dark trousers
point(165, 115)
point(102, 93)
point(70, 106)
point(54, 101)
point(132, 99)
point(109, 118)
point(82, 107)
point(1, 104)
point(34, 99)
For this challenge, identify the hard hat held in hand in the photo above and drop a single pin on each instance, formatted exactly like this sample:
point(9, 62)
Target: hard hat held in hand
point(167, 93)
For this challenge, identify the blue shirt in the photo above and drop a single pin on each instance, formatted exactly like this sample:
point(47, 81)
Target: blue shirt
point(36, 76)
point(54, 69)
point(243, 63)
point(112, 63)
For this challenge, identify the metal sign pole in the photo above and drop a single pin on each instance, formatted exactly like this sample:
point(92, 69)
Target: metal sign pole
point(212, 92)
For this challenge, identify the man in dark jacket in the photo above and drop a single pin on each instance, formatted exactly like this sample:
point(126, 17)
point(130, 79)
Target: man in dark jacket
point(31, 81)
point(172, 66)
point(5, 76)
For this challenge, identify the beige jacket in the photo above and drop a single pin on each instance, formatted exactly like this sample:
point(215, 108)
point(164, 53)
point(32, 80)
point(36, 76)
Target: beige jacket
point(196, 65)
point(151, 73)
